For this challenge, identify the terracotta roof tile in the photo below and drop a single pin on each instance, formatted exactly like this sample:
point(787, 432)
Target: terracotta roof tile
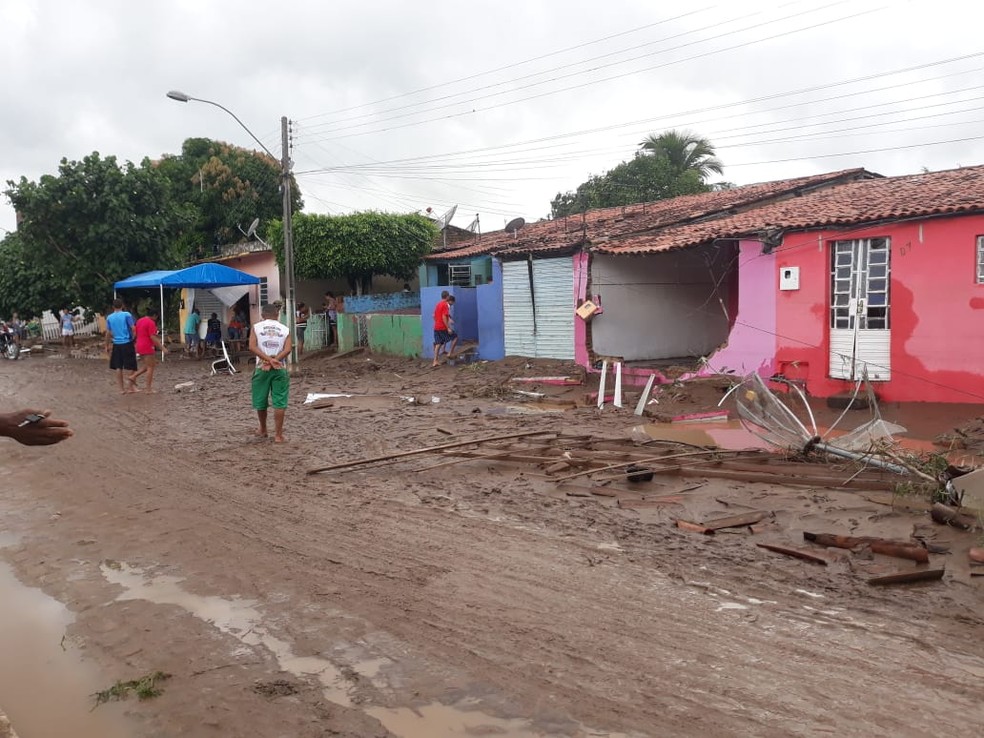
point(610, 225)
point(851, 203)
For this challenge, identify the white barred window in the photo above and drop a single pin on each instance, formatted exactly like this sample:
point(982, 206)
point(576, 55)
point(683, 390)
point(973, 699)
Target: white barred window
point(980, 260)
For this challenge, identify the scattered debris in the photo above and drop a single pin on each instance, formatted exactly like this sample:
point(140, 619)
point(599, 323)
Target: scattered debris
point(145, 688)
point(636, 473)
point(559, 381)
point(275, 688)
point(907, 577)
point(948, 516)
point(184, 386)
point(741, 520)
point(711, 417)
point(876, 545)
point(693, 527)
point(794, 552)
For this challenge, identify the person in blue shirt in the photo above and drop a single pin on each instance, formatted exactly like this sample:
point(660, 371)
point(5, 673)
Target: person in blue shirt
point(120, 330)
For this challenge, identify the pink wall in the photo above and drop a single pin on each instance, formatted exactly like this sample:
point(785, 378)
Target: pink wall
point(581, 273)
point(259, 264)
point(751, 344)
point(937, 311)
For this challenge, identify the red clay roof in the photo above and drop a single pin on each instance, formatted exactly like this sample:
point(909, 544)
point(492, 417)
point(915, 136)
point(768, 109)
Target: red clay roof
point(598, 227)
point(954, 191)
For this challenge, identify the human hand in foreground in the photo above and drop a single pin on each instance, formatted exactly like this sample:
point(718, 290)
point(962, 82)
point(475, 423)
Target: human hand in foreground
point(43, 432)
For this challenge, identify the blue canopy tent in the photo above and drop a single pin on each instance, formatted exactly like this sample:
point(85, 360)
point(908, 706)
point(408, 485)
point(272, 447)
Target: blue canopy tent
point(200, 276)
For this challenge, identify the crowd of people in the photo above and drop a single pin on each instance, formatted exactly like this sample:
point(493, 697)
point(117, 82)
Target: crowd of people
point(133, 346)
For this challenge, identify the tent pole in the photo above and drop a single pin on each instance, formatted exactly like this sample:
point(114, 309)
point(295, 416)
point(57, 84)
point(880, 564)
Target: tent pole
point(163, 332)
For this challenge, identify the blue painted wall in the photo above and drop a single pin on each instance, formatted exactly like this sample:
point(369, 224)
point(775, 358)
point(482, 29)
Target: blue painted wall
point(491, 333)
point(386, 303)
point(465, 315)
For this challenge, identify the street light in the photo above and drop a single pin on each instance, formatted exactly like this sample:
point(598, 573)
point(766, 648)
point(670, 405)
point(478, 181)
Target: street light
point(285, 190)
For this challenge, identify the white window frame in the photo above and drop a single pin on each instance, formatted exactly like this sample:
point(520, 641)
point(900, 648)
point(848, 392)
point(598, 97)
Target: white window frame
point(264, 291)
point(980, 260)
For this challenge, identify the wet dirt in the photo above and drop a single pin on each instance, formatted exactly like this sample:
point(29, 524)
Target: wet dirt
point(477, 598)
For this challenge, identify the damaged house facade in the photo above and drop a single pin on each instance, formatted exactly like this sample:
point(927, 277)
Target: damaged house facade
point(816, 280)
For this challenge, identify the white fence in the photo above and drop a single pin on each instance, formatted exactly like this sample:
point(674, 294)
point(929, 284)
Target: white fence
point(51, 326)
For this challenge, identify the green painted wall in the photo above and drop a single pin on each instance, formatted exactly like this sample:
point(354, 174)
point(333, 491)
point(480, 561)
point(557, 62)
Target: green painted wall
point(398, 335)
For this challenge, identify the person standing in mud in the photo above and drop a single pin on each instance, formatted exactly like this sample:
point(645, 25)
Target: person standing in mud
point(147, 345)
point(270, 342)
point(120, 330)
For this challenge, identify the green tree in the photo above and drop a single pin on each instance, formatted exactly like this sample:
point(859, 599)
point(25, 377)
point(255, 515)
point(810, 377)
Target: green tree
point(90, 225)
point(23, 284)
point(356, 247)
point(219, 188)
point(685, 151)
point(642, 179)
point(667, 165)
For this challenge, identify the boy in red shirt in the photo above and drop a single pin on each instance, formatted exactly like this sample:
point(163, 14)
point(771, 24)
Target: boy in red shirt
point(444, 327)
point(147, 344)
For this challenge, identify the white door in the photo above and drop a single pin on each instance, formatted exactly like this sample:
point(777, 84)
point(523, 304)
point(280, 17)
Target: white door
point(860, 330)
point(539, 323)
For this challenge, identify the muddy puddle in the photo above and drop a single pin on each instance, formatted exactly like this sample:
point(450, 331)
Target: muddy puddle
point(46, 689)
point(242, 619)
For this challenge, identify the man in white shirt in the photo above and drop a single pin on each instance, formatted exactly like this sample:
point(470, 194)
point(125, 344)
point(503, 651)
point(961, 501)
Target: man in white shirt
point(269, 341)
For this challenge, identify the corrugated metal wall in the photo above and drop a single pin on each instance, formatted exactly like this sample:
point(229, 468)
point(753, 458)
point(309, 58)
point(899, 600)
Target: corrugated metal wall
point(553, 281)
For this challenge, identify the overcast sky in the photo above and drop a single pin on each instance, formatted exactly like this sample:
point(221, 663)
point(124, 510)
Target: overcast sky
point(493, 106)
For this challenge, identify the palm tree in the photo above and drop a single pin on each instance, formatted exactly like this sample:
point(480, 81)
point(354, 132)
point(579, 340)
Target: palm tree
point(685, 151)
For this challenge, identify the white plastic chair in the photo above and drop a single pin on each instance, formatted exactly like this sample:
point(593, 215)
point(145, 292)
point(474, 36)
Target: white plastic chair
point(224, 360)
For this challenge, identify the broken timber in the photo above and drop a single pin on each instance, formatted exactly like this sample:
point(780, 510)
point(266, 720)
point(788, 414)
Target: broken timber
point(741, 520)
point(427, 450)
point(906, 577)
point(877, 545)
point(794, 552)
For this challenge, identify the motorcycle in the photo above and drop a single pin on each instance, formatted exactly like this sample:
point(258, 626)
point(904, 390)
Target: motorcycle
point(9, 347)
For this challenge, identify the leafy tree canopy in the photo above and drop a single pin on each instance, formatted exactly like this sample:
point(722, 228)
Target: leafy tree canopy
point(219, 188)
point(666, 165)
point(356, 247)
point(79, 231)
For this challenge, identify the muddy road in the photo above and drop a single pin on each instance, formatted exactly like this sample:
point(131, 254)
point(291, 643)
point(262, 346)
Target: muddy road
point(473, 598)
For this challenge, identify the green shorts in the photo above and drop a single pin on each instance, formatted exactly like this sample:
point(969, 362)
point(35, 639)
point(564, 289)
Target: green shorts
point(272, 384)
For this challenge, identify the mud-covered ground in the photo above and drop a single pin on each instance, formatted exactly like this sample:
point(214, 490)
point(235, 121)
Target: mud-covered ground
point(473, 598)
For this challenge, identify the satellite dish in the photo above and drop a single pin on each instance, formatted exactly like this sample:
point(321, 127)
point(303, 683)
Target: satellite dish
point(514, 225)
point(251, 231)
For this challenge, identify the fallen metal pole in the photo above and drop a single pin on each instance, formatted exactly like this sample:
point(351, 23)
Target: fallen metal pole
point(429, 449)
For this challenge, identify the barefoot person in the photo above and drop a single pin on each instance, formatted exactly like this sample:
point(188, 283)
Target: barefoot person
point(34, 427)
point(270, 342)
point(120, 330)
point(147, 345)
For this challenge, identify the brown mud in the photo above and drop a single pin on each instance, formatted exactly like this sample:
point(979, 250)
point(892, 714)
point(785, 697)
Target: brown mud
point(478, 598)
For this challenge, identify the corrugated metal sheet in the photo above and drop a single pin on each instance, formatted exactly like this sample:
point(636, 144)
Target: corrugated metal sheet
point(553, 281)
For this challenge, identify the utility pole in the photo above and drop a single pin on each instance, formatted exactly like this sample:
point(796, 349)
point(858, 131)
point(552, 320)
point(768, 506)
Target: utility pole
point(288, 240)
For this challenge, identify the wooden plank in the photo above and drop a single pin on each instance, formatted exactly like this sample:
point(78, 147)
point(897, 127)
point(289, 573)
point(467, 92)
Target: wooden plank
point(794, 552)
point(655, 460)
point(767, 478)
point(907, 577)
point(737, 521)
point(948, 516)
point(641, 405)
point(877, 545)
point(643, 502)
point(693, 527)
point(427, 450)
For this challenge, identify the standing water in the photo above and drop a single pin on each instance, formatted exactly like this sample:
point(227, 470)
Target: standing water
point(45, 687)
